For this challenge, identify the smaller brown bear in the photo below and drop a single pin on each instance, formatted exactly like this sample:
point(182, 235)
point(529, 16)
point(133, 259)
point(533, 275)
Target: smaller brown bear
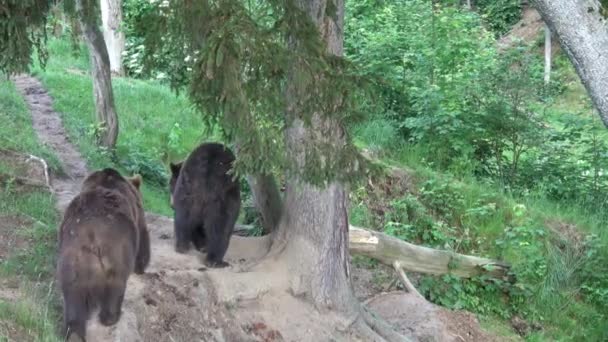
point(102, 239)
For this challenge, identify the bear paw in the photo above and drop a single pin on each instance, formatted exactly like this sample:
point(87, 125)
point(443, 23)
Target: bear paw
point(216, 264)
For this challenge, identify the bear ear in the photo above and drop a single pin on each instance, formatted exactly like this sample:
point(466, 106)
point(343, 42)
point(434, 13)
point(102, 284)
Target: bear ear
point(136, 181)
point(175, 168)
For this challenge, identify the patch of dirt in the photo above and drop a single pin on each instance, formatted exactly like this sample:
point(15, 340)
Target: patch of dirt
point(14, 332)
point(528, 29)
point(26, 172)
point(424, 321)
point(369, 281)
point(381, 190)
point(566, 231)
point(10, 239)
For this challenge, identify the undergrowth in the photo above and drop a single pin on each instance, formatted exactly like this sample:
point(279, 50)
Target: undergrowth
point(557, 250)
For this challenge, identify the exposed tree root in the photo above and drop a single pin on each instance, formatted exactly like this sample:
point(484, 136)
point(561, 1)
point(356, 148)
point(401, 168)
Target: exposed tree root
point(381, 327)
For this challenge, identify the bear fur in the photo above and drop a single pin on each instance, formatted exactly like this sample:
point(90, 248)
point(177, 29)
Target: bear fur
point(206, 200)
point(102, 239)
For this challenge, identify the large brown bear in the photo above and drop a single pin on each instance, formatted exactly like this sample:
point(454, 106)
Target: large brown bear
point(102, 239)
point(206, 200)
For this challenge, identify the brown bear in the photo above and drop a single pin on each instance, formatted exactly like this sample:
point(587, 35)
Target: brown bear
point(206, 200)
point(102, 239)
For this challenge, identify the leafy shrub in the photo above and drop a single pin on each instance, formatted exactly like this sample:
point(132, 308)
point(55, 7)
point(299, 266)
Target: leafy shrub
point(500, 15)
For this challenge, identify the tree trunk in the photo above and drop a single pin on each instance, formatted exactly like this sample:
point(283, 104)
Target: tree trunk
point(582, 33)
point(111, 18)
point(312, 235)
point(102, 80)
point(547, 55)
point(315, 223)
point(267, 200)
point(58, 20)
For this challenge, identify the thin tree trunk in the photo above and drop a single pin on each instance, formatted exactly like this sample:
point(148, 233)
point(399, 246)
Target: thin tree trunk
point(583, 34)
point(102, 80)
point(267, 200)
point(111, 17)
point(547, 54)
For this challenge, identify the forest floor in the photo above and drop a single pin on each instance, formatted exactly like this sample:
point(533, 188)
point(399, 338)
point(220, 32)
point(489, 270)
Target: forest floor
point(179, 300)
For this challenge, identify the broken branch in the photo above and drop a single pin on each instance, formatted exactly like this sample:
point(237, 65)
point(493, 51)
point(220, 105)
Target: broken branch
point(388, 249)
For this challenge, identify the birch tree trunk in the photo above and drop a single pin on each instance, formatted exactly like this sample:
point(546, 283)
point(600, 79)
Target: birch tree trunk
point(547, 55)
point(100, 73)
point(583, 34)
point(111, 18)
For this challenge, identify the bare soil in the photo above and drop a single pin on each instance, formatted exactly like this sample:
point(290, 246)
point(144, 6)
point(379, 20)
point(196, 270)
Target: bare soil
point(178, 299)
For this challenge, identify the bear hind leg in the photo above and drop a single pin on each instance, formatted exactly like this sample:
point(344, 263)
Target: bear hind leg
point(75, 315)
point(219, 227)
point(183, 229)
point(143, 250)
point(111, 303)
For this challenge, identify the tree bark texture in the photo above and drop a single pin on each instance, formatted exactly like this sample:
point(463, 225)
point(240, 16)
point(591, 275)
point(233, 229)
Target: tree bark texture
point(314, 225)
point(267, 200)
point(583, 34)
point(111, 18)
point(102, 79)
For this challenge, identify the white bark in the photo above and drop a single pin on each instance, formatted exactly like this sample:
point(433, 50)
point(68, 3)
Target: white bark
point(583, 34)
point(111, 18)
point(547, 54)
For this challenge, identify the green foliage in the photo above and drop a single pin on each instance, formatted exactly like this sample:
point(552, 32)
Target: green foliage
point(19, 38)
point(234, 60)
point(500, 15)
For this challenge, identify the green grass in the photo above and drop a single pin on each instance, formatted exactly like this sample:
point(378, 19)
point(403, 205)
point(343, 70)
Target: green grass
point(16, 131)
point(33, 266)
point(34, 315)
point(156, 126)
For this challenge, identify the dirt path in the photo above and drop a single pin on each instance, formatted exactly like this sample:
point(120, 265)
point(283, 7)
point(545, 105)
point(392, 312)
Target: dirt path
point(49, 127)
point(177, 299)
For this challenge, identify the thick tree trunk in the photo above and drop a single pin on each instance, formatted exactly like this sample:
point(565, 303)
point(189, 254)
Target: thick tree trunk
point(312, 235)
point(583, 34)
point(267, 200)
point(111, 18)
point(102, 80)
point(315, 223)
point(547, 54)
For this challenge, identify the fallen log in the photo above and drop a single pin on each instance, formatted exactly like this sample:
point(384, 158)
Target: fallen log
point(414, 258)
point(388, 250)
